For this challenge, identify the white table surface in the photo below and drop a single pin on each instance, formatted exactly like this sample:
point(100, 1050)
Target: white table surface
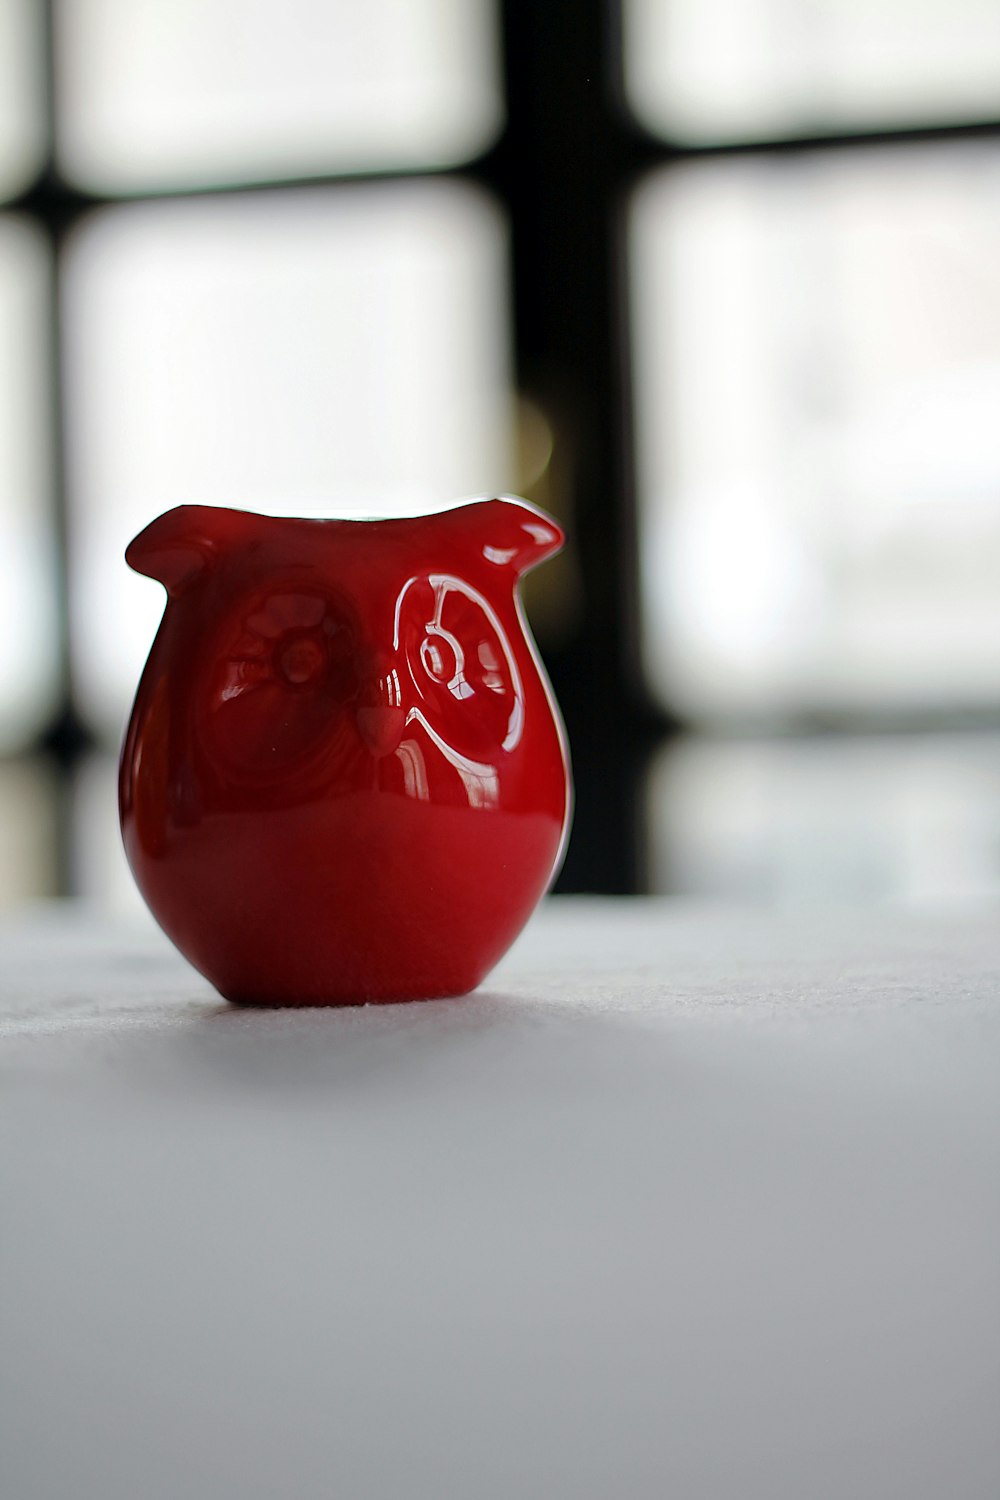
point(684, 1203)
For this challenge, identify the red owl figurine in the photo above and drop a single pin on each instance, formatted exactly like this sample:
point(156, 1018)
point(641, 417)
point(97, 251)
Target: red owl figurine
point(345, 778)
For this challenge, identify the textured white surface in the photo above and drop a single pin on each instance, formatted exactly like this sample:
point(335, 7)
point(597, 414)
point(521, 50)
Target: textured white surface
point(685, 1203)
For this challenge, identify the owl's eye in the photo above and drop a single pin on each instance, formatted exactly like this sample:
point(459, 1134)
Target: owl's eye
point(302, 659)
point(284, 671)
point(439, 658)
point(461, 664)
point(443, 659)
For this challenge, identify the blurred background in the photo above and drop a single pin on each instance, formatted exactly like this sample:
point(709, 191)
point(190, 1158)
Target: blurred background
point(717, 282)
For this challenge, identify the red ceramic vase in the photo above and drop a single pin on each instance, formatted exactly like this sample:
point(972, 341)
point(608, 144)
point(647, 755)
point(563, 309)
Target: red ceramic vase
point(345, 778)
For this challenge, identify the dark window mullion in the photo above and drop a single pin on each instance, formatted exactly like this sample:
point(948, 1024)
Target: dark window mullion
point(55, 209)
point(560, 178)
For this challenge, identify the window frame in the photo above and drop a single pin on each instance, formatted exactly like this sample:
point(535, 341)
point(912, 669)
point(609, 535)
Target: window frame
point(562, 172)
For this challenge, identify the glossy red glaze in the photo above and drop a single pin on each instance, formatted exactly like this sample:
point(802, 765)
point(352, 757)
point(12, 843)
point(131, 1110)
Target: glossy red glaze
point(345, 778)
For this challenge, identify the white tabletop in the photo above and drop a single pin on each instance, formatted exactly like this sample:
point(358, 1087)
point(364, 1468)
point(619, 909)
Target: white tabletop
point(684, 1203)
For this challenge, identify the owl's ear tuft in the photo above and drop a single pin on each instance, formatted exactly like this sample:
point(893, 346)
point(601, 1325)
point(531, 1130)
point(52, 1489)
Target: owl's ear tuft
point(515, 534)
point(175, 547)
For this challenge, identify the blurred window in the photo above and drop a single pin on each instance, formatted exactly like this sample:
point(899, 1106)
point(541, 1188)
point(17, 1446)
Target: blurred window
point(818, 351)
point(854, 817)
point(815, 342)
point(718, 70)
point(22, 123)
point(99, 871)
point(29, 805)
point(28, 607)
point(184, 93)
point(346, 354)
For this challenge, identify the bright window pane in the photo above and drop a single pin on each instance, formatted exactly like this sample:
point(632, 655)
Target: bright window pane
point(818, 351)
point(319, 352)
point(28, 820)
point(21, 92)
point(198, 91)
point(717, 69)
point(100, 872)
point(28, 628)
point(792, 820)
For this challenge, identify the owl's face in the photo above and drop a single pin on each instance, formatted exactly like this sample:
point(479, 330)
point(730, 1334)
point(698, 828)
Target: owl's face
point(357, 655)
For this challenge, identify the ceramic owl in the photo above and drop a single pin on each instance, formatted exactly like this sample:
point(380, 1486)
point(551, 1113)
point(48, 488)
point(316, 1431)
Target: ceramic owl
point(345, 778)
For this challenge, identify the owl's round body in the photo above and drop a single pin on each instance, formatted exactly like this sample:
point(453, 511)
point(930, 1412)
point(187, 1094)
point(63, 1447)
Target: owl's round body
point(344, 778)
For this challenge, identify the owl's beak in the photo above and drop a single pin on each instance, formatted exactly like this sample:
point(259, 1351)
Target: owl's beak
point(381, 728)
point(381, 716)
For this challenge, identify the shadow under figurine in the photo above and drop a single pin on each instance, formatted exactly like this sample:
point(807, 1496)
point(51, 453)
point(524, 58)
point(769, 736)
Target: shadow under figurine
point(345, 778)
